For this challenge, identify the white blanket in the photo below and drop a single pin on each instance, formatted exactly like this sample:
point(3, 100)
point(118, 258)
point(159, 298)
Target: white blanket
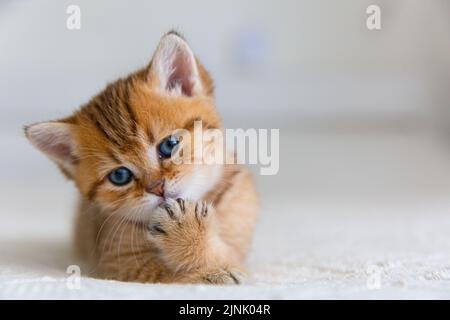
point(347, 217)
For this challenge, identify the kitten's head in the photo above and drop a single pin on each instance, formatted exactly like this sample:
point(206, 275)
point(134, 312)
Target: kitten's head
point(117, 148)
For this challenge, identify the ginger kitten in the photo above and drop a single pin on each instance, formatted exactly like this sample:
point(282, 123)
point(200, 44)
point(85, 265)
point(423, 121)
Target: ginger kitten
point(141, 216)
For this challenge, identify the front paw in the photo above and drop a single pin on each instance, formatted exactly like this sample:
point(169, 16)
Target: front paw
point(223, 276)
point(179, 229)
point(174, 216)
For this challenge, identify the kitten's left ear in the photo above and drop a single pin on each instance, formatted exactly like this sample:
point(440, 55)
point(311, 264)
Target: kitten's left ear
point(55, 140)
point(175, 70)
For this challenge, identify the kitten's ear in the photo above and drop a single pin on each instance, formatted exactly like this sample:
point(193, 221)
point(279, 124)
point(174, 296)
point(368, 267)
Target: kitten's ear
point(175, 70)
point(56, 141)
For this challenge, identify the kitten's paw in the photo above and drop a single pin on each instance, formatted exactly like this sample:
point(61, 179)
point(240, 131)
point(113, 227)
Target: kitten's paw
point(224, 276)
point(180, 230)
point(174, 216)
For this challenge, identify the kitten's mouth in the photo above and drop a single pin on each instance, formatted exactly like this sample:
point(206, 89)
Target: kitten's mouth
point(158, 194)
point(171, 195)
point(164, 199)
point(160, 199)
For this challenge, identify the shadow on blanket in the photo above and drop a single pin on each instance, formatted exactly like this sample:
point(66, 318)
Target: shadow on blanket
point(48, 256)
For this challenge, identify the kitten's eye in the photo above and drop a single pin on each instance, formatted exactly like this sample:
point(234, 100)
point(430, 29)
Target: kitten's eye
point(167, 146)
point(120, 176)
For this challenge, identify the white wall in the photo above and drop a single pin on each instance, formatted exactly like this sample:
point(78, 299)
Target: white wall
point(276, 63)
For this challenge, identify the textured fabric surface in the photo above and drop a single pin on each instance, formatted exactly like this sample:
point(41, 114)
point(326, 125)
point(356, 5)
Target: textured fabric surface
point(348, 216)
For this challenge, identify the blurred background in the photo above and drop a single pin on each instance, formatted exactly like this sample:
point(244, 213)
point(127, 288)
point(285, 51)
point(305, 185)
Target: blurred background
point(364, 116)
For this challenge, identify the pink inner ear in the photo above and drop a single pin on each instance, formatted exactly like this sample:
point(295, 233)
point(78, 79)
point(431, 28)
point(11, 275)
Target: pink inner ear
point(61, 151)
point(182, 73)
point(54, 140)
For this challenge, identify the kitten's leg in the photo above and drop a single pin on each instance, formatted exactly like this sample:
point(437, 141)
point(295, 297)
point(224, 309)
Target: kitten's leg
point(186, 235)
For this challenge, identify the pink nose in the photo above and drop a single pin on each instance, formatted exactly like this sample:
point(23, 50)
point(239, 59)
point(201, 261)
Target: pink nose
point(157, 188)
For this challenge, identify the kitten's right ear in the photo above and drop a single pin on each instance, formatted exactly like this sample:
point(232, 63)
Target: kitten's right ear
point(174, 70)
point(55, 139)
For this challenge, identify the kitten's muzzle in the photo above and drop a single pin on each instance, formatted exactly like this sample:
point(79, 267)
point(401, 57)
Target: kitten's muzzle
point(156, 188)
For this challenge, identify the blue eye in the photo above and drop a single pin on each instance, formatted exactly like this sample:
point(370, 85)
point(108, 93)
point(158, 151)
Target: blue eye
point(167, 146)
point(120, 176)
